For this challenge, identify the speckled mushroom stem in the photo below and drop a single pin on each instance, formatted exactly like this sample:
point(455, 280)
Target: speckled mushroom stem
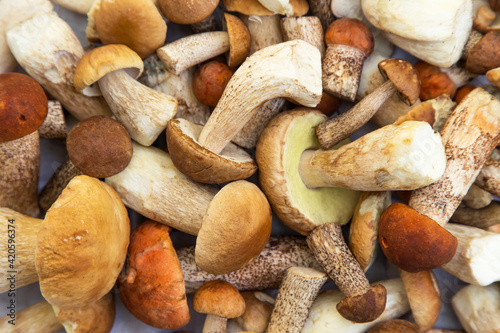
point(469, 136)
point(38, 317)
point(321, 9)
point(338, 128)
point(362, 303)
point(297, 292)
point(479, 218)
point(489, 177)
point(54, 126)
point(214, 324)
point(19, 170)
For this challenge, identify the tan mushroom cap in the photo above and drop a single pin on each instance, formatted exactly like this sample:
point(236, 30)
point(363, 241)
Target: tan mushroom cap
point(82, 243)
point(101, 61)
point(187, 11)
point(219, 298)
point(394, 326)
point(235, 228)
point(485, 55)
point(254, 7)
point(278, 153)
point(201, 164)
point(135, 23)
point(402, 74)
point(239, 39)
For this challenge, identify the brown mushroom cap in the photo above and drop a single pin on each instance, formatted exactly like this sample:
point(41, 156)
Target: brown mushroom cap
point(364, 308)
point(103, 60)
point(204, 166)
point(485, 55)
point(135, 23)
point(82, 243)
point(412, 241)
point(258, 308)
point(434, 82)
point(254, 7)
point(152, 285)
point(239, 39)
point(99, 147)
point(404, 76)
point(394, 326)
point(219, 298)
point(209, 82)
point(235, 228)
point(187, 11)
point(23, 106)
point(351, 32)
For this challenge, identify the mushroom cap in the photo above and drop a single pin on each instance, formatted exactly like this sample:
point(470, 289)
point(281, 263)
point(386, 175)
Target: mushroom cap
point(152, 285)
point(96, 317)
point(239, 39)
point(99, 146)
point(82, 243)
point(394, 326)
point(209, 82)
point(219, 298)
point(187, 11)
point(101, 61)
point(135, 23)
point(351, 32)
point(235, 228)
point(23, 106)
point(434, 82)
point(485, 55)
point(278, 153)
point(254, 7)
point(201, 164)
point(258, 309)
point(404, 76)
point(412, 241)
point(364, 308)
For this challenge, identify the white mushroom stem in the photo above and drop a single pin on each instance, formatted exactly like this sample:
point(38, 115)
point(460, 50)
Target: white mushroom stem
point(477, 260)
point(282, 7)
point(297, 292)
point(290, 69)
point(407, 156)
point(214, 324)
point(192, 50)
point(324, 316)
point(469, 136)
point(19, 169)
point(476, 198)
point(321, 9)
point(20, 261)
point(477, 308)
point(48, 50)
point(153, 187)
point(480, 218)
point(38, 317)
point(279, 254)
point(143, 111)
point(489, 177)
point(54, 125)
point(307, 28)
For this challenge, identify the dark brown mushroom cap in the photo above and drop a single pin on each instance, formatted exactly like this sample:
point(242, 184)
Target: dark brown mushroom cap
point(394, 326)
point(364, 308)
point(351, 32)
point(187, 11)
point(219, 298)
point(239, 39)
point(412, 241)
point(404, 76)
point(485, 55)
point(23, 106)
point(99, 147)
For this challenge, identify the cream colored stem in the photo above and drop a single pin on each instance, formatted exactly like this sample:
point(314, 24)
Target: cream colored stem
point(297, 292)
point(143, 111)
point(64, 173)
point(54, 126)
point(469, 136)
point(36, 318)
point(192, 50)
point(25, 230)
point(336, 129)
point(291, 69)
point(307, 28)
point(264, 31)
point(214, 324)
point(479, 218)
point(476, 198)
point(489, 177)
point(19, 169)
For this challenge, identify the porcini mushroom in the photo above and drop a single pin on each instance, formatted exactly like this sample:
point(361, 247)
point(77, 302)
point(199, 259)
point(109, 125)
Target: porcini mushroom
point(183, 12)
point(258, 309)
point(482, 55)
point(209, 82)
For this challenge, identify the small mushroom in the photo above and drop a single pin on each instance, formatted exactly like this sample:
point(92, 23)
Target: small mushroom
point(258, 309)
point(209, 82)
point(434, 82)
point(220, 301)
point(184, 12)
point(484, 55)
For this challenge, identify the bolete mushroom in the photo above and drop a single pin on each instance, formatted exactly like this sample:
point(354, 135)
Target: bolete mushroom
point(258, 309)
point(184, 12)
point(209, 82)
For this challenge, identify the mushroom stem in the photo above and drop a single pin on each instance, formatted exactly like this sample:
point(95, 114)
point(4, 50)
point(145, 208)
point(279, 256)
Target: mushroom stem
point(321, 9)
point(19, 169)
point(307, 28)
point(54, 126)
point(489, 177)
point(479, 218)
point(214, 324)
point(297, 292)
point(338, 128)
point(143, 111)
point(192, 50)
point(291, 69)
point(362, 303)
point(474, 38)
point(38, 317)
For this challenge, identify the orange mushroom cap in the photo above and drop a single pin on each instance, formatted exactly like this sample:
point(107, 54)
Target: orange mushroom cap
point(351, 32)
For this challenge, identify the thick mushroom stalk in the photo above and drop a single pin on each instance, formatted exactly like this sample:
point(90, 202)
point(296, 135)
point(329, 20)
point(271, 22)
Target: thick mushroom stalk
point(38, 317)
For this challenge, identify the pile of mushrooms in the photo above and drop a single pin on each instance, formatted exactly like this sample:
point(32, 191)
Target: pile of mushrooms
point(250, 166)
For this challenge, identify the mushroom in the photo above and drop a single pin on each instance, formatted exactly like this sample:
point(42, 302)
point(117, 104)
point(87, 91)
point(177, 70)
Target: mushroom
point(478, 217)
point(152, 284)
point(189, 51)
point(23, 108)
point(258, 308)
point(493, 75)
point(232, 225)
point(143, 111)
point(349, 42)
point(322, 10)
point(429, 246)
point(489, 177)
point(48, 50)
point(394, 326)
point(254, 7)
point(476, 198)
point(54, 125)
point(220, 301)
point(38, 317)
point(209, 82)
point(482, 55)
point(307, 28)
point(477, 308)
point(401, 78)
point(183, 12)
point(297, 292)
point(485, 19)
point(79, 6)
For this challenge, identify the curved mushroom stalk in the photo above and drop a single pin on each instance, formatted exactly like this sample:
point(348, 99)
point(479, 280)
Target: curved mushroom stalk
point(291, 69)
point(38, 317)
point(48, 50)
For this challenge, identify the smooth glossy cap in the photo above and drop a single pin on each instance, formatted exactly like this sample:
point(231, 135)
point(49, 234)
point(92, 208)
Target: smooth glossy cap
point(187, 11)
point(351, 32)
point(219, 298)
